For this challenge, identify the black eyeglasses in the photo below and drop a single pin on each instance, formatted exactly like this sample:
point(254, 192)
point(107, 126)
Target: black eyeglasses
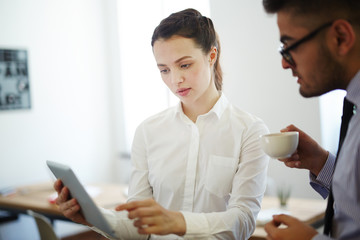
point(285, 52)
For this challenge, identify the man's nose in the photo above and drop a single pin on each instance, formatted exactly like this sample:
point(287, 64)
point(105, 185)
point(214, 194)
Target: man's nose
point(285, 64)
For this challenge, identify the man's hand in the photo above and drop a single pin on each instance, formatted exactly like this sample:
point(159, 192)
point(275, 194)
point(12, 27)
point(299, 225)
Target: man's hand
point(309, 154)
point(293, 230)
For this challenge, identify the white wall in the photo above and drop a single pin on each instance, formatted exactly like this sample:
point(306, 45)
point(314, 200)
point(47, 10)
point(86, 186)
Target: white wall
point(255, 81)
point(69, 120)
point(74, 79)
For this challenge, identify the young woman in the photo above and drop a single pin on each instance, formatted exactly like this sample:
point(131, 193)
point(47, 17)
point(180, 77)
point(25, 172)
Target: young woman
point(198, 169)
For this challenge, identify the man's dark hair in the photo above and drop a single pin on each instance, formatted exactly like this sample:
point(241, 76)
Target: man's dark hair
point(320, 10)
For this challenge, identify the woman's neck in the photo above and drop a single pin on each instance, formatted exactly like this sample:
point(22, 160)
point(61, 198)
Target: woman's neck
point(202, 106)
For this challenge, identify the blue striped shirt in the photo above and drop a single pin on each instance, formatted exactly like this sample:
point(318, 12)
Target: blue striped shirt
point(345, 179)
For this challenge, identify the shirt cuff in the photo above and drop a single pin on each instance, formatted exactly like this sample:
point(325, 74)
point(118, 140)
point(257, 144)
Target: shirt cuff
point(197, 226)
point(95, 229)
point(109, 215)
point(321, 237)
point(322, 182)
point(122, 225)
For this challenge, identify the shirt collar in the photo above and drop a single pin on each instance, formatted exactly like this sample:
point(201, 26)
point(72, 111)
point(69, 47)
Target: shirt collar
point(220, 106)
point(218, 109)
point(353, 90)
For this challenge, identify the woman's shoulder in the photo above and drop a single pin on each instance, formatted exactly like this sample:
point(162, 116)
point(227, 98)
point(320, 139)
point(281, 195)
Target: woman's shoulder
point(236, 113)
point(243, 115)
point(160, 117)
point(246, 120)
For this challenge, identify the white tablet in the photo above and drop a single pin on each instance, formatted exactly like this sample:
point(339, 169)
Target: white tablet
point(89, 210)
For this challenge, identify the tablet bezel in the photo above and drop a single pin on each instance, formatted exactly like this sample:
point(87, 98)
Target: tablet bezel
point(89, 209)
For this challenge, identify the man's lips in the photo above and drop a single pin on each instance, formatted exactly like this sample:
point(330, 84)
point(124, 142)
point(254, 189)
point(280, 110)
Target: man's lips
point(183, 91)
point(296, 75)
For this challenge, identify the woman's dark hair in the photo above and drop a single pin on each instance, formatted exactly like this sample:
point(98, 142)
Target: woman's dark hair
point(189, 23)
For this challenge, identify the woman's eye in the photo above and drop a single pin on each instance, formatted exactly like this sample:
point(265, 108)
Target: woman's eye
point(164, 70)
point(185, 65)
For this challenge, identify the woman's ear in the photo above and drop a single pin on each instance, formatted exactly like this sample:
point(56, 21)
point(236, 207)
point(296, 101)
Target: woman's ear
point(213, 55)
point(344, 36)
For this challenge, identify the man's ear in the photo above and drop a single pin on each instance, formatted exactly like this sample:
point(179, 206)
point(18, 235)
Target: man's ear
point(344, 36)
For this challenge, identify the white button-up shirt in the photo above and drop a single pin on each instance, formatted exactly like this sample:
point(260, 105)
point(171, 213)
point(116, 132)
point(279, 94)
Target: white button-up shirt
point(213, 171)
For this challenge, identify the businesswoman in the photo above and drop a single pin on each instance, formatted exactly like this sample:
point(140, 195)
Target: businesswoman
point(198, 171)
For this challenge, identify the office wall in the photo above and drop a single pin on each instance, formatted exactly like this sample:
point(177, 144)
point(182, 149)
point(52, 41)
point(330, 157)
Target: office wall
point(74, 80)
point(69, 120)
point(255, 81)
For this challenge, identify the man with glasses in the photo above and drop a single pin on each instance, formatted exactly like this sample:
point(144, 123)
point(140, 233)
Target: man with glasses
point(321, 46)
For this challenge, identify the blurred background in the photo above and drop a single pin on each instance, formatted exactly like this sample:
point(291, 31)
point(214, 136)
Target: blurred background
point(93, 79)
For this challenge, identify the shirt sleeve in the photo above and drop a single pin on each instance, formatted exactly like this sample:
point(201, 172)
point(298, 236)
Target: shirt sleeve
point(322, 182)
point(321, 237)
point(248, 187)
point(139, 186)
point(139, 189)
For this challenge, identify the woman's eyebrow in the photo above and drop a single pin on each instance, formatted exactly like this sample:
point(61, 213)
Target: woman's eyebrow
point(182, 58)
point(177, 61)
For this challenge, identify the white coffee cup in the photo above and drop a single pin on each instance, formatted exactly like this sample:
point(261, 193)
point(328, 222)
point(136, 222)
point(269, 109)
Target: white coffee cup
point(279, 145)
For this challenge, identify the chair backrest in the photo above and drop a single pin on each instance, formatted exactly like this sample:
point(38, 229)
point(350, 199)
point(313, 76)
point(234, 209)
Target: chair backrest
point(45, 228)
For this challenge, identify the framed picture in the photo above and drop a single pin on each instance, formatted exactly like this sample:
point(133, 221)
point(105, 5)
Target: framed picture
point(14, 79)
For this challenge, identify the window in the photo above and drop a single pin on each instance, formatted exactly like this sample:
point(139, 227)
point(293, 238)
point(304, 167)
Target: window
point(143, 91)
point(330, 119)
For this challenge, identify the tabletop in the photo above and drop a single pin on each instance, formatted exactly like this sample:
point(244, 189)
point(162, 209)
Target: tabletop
point(36, 197)
point(310, 211)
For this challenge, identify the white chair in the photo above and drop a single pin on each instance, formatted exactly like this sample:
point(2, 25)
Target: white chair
point(47, 232)
point(45, 228)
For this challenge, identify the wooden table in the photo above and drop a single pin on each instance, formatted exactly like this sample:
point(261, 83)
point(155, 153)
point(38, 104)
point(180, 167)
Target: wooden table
point(310, 211)
point(36, 198)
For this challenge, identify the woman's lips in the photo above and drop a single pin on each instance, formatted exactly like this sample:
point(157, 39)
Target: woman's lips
point(183, 91)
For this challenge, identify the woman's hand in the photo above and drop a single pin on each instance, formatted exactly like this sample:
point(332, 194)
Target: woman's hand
point(69, 207)
point(309, 154)
point(151, 218)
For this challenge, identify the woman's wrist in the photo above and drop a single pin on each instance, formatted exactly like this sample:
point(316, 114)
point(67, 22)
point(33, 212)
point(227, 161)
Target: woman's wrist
point(180, 224)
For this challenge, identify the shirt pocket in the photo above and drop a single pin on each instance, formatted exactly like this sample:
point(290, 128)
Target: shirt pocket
point(220, 175)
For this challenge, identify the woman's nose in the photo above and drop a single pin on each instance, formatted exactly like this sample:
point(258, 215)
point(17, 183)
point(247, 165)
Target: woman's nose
point(177, 77)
